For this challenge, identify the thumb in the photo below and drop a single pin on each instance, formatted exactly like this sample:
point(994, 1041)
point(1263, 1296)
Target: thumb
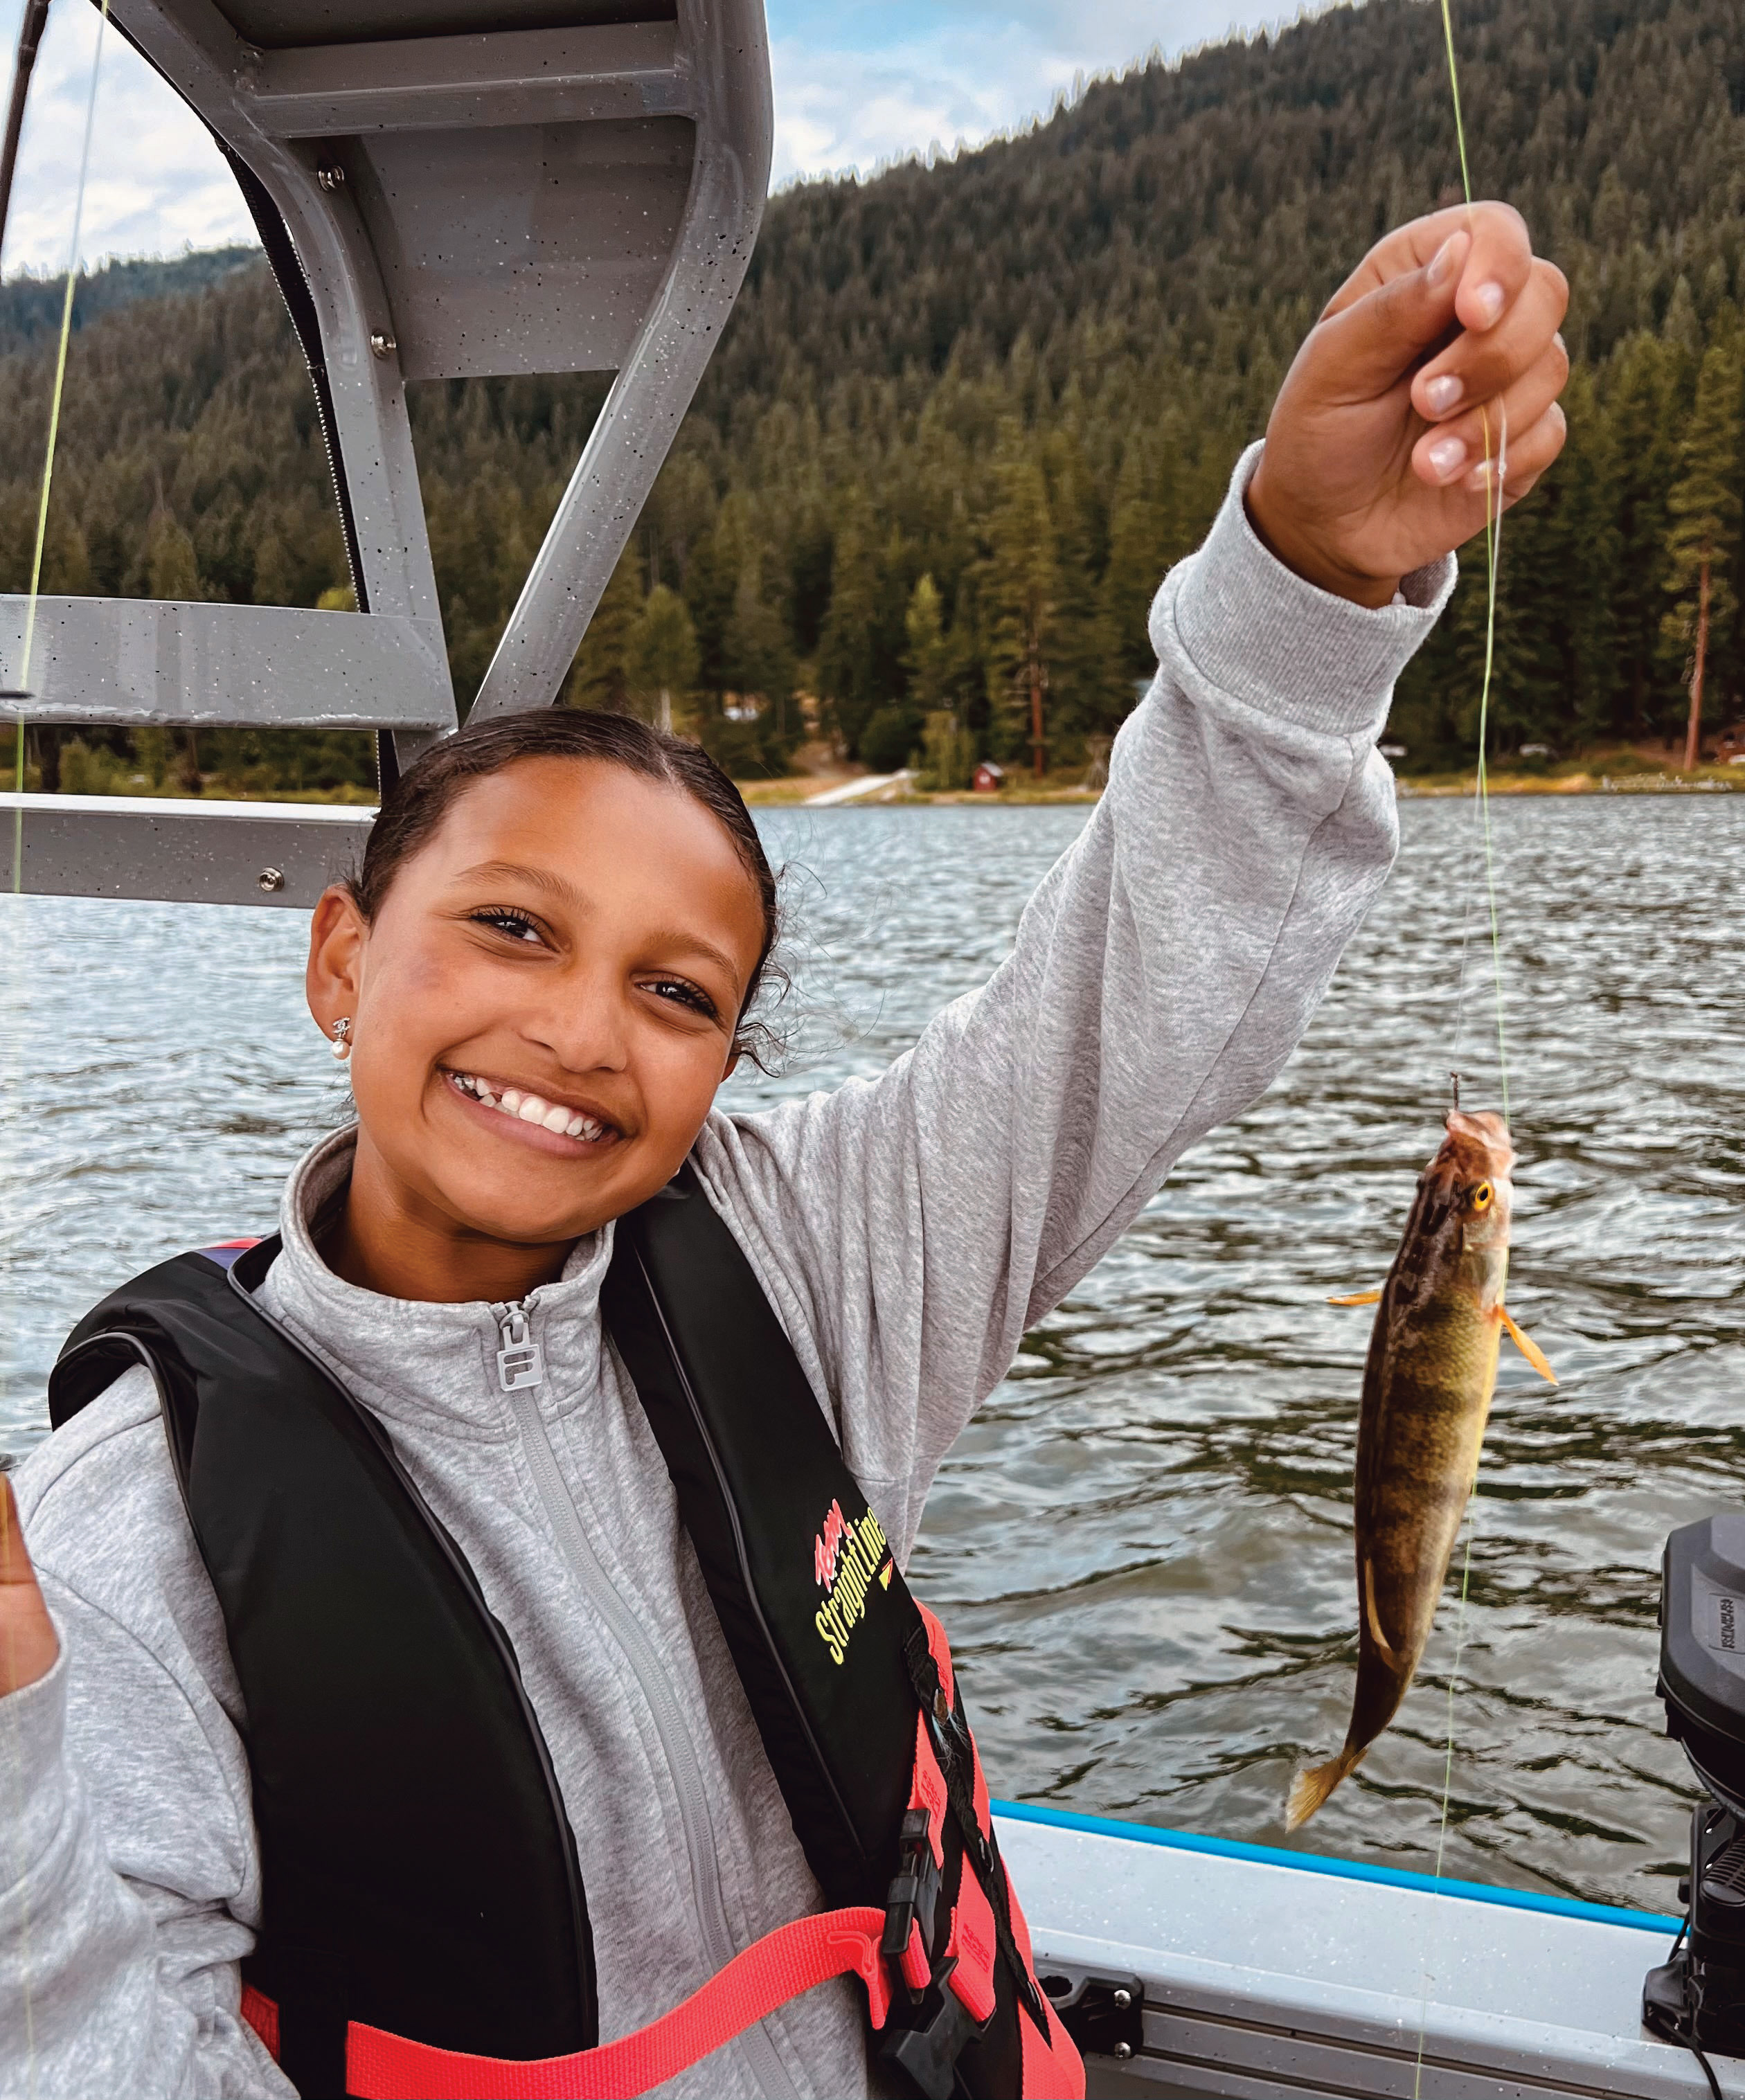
point(1375, 340)
point(27, 1645)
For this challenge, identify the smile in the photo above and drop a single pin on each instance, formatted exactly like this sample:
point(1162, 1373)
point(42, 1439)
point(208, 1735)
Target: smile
point(529, 1108)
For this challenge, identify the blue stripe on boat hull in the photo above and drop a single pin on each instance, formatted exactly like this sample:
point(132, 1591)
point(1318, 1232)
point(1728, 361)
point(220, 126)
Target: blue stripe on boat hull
point(1350, 1870)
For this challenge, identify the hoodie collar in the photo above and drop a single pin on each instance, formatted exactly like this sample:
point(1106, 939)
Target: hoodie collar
point(409, 1358)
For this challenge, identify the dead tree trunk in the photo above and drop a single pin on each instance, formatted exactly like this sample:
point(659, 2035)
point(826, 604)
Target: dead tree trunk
point(1694, 732)
point(1036, 682)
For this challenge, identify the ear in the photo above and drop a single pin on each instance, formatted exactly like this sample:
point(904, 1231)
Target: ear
point(334, 979)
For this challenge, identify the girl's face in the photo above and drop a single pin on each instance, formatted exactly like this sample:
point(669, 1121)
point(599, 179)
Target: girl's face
point(541, 1015)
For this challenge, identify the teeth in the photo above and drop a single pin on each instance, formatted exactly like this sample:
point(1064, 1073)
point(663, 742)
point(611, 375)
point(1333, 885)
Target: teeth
point(531, 1108)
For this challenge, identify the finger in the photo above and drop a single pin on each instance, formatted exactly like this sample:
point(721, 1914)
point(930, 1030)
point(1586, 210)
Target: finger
point(1499, 267)
point(1529, 457)
point(1362, 350)
point(1475, 367)
point(1460, 447)
point(1497, 237)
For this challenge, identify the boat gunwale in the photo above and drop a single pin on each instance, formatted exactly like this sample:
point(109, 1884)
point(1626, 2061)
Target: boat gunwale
point(1321, 1863)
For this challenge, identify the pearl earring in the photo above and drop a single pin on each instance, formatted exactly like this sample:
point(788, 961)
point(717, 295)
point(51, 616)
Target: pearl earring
point(342, 1047)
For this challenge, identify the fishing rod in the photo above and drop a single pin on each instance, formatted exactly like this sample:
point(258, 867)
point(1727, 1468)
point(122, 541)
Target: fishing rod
point(24, 66)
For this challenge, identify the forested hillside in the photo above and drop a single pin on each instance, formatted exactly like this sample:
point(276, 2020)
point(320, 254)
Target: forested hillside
point(964, 415)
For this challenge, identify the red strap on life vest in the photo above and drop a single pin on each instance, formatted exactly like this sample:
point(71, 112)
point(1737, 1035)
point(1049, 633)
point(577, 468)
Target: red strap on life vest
point(776, 1968)
point(781, 1966)
point(263, 2015)
point(975, 1947)
point(927, 1789)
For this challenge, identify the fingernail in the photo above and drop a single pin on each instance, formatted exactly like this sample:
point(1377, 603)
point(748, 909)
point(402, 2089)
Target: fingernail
point(1447, 456)
point(1489, 299)
point(1442, 262)
point(1441, 393)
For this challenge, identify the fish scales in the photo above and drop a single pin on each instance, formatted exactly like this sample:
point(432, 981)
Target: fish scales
point(1428, 1381)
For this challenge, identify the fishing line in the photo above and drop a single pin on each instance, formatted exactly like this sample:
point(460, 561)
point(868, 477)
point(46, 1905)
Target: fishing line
point(1493, 543)
point(48, 456)
point(1447, 1780)
point(11, 1541)
point(1495, 473)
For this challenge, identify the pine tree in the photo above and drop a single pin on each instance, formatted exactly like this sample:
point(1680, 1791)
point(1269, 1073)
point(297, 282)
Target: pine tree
point(171, 571)
point(1639, 416)
point(759, 661)
point(927, 660)
point(1088, 694)
point(845, 684)
point(1703, 507)
point(1021, 596)
point(601, 676)
point(1130, 581)
point(664, 658)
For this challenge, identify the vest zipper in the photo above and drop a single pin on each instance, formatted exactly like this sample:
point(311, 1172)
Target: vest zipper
point(520, 1369)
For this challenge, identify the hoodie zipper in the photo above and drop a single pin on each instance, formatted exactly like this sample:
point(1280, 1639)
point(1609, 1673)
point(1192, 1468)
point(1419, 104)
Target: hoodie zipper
point(520, 1370)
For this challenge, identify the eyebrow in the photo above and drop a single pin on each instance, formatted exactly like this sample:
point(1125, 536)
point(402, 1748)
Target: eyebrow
point(680, 941)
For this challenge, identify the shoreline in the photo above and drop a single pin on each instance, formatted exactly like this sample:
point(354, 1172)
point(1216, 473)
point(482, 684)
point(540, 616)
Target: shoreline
point(798, 792)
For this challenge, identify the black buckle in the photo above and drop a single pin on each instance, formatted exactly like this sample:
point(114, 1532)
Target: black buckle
point(925, 2040)
point(913, 1896)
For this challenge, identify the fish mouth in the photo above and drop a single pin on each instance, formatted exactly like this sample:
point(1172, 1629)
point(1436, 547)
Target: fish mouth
point(1483, 1132)
point(582, 1124)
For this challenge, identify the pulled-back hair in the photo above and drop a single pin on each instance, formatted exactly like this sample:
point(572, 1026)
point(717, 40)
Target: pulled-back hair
point(413, 808)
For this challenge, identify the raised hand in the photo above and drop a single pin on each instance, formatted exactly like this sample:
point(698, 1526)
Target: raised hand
point(28, 1646)
point(1375, 454)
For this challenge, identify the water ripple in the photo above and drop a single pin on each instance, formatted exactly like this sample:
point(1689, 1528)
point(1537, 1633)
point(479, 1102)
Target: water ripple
point(1142, 1545)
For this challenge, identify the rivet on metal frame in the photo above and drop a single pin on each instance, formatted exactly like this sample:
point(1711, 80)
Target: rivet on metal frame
point(382, 345)
point(331, 177)
point(271, 879)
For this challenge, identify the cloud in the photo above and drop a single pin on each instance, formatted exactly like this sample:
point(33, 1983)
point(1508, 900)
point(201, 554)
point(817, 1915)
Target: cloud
point(156, 182)
point(872, 80)
point(857, 82)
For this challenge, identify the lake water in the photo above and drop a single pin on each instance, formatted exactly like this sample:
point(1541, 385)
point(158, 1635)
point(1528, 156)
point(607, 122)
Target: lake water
point(1142, 1545)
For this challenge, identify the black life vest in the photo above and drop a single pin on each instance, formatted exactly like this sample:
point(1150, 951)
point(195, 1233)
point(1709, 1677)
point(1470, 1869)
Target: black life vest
point(425, 1928)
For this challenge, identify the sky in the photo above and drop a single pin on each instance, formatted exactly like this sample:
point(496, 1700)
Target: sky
point(857, 83)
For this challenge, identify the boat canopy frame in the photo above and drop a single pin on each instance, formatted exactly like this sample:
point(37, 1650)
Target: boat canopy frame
point(444, 189)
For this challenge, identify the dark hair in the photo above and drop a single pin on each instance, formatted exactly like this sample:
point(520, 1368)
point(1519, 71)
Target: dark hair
point(413, 808)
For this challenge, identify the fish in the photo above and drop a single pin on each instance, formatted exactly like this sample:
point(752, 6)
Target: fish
point(1427, 1385)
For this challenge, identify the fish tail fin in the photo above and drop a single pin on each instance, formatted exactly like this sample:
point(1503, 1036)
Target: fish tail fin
point(1309, 1790)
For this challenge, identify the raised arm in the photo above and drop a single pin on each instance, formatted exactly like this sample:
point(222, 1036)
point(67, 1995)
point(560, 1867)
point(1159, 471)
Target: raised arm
point(913, 1226)
point(128, 1872)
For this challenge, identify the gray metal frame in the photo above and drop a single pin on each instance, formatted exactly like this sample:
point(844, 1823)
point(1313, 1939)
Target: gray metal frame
point(461, 201)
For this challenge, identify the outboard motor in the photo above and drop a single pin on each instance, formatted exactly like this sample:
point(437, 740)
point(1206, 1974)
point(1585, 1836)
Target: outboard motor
point(1697, 1998)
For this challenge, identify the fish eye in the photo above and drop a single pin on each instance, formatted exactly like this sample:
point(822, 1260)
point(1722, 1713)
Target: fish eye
point(1481, 1198)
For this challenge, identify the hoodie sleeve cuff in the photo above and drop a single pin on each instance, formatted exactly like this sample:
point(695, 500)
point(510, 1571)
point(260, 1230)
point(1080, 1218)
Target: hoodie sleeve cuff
point(1233, 616)
point(33, 1743)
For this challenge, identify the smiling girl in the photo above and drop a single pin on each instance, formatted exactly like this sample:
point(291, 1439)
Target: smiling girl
point(473, 1617)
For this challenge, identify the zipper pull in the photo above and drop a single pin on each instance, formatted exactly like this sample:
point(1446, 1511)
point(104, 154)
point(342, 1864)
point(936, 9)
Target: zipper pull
point(520, 1362)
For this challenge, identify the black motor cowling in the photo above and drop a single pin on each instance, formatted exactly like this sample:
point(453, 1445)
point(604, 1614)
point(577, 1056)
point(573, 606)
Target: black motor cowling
point(1698, 1996)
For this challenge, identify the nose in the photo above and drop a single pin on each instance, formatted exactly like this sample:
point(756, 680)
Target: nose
point(586, 1022)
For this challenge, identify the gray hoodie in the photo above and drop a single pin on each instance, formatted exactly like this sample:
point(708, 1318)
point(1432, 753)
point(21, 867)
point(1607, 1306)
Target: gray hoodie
point(907, 1230)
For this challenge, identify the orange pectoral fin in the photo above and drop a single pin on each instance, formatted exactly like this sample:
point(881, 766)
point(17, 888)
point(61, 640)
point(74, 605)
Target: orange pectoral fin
point(1528, 1347)
point(1359, 1297)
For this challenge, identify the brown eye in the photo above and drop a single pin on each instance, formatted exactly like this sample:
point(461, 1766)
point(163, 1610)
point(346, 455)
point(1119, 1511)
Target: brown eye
point(1482, 1197)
